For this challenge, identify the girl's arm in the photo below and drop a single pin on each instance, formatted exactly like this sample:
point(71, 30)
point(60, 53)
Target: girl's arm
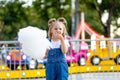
point(64, 46)
point(46, 54)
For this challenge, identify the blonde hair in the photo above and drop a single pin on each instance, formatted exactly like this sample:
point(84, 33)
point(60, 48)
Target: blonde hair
point(52, 22)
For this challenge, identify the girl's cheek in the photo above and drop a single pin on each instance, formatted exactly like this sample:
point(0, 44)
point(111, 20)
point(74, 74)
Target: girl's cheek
point(56, 34)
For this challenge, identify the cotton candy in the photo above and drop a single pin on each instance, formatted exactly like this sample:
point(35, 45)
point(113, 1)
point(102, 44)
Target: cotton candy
point(34, 41)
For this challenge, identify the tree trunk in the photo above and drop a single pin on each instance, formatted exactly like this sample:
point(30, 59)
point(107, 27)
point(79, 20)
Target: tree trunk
point(107, 31)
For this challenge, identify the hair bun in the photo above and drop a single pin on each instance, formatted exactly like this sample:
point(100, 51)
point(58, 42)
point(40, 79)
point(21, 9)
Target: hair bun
point(63, 20)
point(51, 21)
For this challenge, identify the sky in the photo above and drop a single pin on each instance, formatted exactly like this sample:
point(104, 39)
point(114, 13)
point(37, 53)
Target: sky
point(28, 2)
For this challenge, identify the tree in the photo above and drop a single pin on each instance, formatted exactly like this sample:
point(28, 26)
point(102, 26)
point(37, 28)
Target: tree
point(98, 9)
point(46, 9)
point(13, 16)
point(112, 8)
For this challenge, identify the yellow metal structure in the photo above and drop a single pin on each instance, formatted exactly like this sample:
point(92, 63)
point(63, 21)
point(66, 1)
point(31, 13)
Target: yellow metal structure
point(6, 73)
point(108, 52)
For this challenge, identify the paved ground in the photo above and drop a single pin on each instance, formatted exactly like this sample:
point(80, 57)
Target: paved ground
point(89, 76)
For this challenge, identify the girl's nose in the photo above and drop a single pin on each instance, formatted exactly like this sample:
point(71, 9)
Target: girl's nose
point(58, 32)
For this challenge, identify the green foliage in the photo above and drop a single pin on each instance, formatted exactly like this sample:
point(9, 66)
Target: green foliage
point(96, 10)
point(91, 15)
point(14, 15)
point(51, 9)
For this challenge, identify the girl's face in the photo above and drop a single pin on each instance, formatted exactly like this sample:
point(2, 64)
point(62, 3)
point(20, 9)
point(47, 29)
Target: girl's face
point(57, 29)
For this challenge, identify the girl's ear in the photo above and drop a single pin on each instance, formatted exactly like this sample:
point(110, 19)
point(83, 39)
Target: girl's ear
point(51, 21)
point(63, 20)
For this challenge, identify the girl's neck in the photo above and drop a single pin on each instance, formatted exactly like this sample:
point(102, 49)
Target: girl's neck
point(54, 39)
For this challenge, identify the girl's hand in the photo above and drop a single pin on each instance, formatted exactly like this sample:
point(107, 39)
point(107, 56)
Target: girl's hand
point(59, 36)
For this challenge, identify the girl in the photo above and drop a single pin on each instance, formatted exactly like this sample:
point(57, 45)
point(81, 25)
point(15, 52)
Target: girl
point(56, 66)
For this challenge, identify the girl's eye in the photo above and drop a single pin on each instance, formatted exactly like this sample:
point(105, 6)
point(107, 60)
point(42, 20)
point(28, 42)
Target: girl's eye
point(55, 28)
point(58, 28)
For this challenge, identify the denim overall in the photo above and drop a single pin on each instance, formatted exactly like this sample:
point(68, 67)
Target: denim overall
point(56, 67)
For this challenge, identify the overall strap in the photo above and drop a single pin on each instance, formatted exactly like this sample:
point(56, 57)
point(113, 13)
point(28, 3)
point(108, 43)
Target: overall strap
point(49, 40)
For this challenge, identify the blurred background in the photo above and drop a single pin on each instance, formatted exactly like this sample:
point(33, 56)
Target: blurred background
point(95, 60)
point(101, 15)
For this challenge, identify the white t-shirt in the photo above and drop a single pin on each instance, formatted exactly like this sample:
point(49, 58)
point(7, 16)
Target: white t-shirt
point(56, 44)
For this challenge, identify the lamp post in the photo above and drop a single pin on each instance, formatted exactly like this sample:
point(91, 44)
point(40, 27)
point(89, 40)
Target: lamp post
point(77, 14)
